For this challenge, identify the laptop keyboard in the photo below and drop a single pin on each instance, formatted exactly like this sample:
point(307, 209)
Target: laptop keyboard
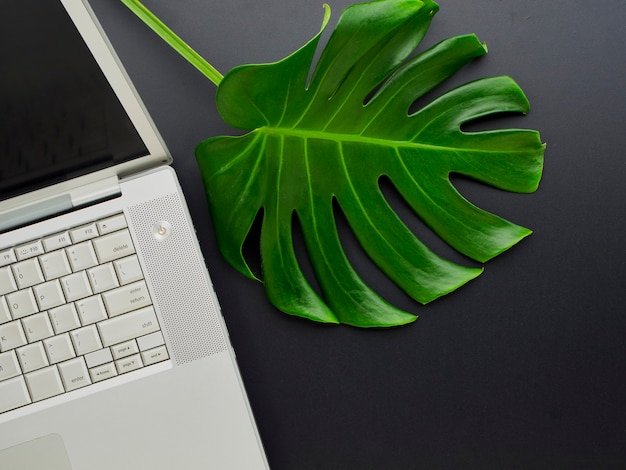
point(74, 310)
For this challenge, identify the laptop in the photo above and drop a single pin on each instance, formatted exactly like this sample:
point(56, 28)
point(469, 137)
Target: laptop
point(113, 350)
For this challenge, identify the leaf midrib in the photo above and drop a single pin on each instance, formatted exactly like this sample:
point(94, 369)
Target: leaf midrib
point(360, 139)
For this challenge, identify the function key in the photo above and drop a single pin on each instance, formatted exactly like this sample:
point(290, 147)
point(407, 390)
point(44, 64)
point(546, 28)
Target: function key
point(60, 240)
point(7, 257)
point(83, 233)
point(29, 250)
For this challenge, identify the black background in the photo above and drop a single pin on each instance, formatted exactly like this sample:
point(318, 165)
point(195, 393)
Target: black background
point(525, 366)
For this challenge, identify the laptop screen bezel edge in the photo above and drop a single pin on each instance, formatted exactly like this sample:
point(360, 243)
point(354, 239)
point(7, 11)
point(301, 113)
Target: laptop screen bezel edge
point(95, 38)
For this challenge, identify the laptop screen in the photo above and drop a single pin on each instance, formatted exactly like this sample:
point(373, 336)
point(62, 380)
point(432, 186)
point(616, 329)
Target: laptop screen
point(59, 117)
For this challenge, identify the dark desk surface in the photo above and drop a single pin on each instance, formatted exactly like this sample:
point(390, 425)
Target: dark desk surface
point(524, 367)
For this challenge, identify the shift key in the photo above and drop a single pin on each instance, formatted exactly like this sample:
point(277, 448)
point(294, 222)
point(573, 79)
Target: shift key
point(128, 326)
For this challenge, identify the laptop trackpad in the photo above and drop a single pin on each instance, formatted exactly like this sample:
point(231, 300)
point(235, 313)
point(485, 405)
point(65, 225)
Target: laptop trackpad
point(45, 452)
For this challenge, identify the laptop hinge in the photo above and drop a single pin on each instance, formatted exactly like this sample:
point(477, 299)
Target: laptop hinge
point(95, 192)
point(44, 208)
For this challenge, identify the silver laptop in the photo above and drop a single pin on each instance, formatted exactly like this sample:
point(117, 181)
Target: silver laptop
point(113, 350)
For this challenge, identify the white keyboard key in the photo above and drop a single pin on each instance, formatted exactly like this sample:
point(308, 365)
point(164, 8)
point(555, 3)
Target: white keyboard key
point(128, 326)
point(102, 278)
point(83, 233)
point(32, 357)
point(60, 240)
point(86, 340)
point(74, 374)
point(127, 348)
point(29, 250)
point(150, 341)
point(11, 336)
point(99, 357)
point(129, 364)
point(55, 264)
point(128, 270)
point(28, 273)
point(152, 356)
point(9, 367)
point(7, 281)
point(49, 295)
point(13, 394)
point(64, 318)
point(126, 298)
point(91, 310)
point(59, 348)
point(76, 286)
point(7, 257)
point(111, 224)
point(81, 256)
point(37, 327)
point(114, 246)
point(44, 383)
point(103, 372)
point(5, 313)
point(22, 303)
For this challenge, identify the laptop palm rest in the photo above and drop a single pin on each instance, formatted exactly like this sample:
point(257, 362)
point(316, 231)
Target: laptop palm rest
point(46, 452)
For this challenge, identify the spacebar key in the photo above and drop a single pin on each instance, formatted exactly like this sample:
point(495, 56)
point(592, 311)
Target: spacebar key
point(128, 326)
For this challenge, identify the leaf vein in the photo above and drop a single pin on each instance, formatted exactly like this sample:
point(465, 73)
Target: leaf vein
point(397, 144)
point(341, 105)
point(364, 212)
point(305, 112)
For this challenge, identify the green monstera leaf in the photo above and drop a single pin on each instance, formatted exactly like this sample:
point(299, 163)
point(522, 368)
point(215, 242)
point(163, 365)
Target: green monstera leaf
point(327, 141)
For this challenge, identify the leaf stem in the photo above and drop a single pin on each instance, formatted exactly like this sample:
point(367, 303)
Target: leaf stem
point(174, 41)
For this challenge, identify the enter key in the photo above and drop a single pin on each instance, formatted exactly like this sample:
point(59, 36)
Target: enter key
point(127, 298)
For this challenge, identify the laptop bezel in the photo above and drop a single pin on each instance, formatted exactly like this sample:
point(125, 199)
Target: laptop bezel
point(95, 38)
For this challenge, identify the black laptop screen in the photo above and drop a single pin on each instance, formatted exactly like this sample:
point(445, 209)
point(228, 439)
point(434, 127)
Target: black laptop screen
point(59, 117)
